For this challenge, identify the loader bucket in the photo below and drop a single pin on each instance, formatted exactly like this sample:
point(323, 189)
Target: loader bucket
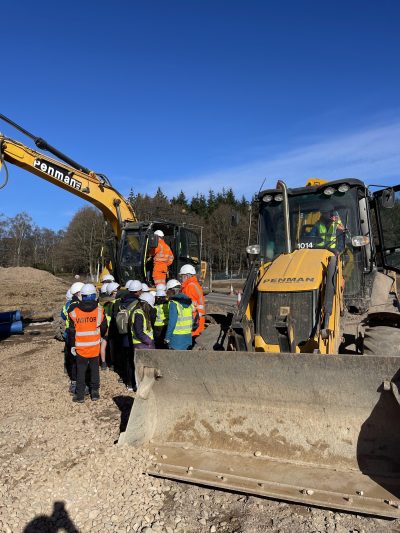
point(315, 429)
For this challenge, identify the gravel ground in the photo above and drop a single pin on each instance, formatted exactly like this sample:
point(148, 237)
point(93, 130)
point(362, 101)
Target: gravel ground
point(61, 470)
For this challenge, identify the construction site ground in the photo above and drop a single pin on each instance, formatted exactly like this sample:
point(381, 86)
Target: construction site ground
point(61, 469)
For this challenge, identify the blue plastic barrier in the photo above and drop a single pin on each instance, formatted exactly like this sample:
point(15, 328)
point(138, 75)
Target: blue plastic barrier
point(11, 328)
point(10, 316)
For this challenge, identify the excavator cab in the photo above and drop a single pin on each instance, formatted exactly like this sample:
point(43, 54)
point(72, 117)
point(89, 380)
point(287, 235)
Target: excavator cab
point(134, 260)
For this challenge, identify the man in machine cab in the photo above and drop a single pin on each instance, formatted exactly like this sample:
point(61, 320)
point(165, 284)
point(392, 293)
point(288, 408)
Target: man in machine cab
point(328, 231)
point(162, 258)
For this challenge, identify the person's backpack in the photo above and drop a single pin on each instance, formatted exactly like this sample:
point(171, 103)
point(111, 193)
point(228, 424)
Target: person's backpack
point(123, 317)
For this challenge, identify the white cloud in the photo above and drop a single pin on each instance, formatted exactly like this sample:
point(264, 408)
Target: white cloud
point(372, 155)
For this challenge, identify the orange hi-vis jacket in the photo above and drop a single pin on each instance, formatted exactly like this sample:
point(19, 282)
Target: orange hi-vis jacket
point(192, 288)
point(163, 253)
point(87, 331)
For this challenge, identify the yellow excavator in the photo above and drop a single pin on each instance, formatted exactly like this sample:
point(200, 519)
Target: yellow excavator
point(128, 251)
point(304, 406)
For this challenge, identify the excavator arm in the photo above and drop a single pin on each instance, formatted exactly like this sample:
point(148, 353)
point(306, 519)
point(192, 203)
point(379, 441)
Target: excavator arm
point(85, 184)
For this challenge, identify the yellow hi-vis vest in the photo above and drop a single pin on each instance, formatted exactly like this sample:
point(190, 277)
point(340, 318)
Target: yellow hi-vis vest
point(65, 313)
point(184, 321)
point(108, 308)
point(147, 329)
point(162, 314)
point(328, 235)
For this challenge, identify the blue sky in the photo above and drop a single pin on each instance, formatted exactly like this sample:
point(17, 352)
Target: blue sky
point(198, 94)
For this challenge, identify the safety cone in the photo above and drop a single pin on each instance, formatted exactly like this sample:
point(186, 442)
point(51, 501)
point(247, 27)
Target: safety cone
point(239, 298)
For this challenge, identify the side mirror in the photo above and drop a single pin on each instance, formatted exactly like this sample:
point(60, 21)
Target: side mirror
point(387, 198)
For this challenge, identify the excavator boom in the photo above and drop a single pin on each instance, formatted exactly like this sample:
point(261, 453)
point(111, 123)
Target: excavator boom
point(88, 186)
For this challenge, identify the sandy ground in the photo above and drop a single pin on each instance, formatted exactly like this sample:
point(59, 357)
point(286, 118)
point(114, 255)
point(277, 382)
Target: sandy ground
point(62, 471)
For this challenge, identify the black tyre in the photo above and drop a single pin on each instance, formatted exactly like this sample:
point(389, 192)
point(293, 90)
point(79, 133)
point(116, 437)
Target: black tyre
point(58, 326)
point(382, 340)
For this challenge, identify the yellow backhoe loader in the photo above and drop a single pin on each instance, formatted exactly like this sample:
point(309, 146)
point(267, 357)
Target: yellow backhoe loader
point(128, 252)
point(305, 406)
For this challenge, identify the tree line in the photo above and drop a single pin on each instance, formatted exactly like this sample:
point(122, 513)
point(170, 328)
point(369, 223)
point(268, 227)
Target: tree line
point(227, 225)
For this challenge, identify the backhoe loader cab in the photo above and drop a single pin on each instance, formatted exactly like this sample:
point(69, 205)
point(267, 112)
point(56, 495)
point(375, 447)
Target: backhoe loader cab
point(323, 248)
point(134, 261)
point(339, 207)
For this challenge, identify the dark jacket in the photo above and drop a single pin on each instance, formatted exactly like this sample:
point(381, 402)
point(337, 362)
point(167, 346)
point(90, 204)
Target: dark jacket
point(138, 326)
point(86, 306)
point(70, 305)
point(122, 303)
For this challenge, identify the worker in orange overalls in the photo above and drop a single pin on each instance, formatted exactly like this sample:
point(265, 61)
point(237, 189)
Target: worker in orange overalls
point(162, 259)
point(88, 325)
point(192, 288)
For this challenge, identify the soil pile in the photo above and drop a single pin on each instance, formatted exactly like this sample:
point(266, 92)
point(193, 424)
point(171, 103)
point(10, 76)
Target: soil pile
point(35, 292)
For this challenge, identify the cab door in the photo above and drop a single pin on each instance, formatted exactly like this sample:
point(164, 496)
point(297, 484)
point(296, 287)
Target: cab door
point(188, 249)
point(387, 209)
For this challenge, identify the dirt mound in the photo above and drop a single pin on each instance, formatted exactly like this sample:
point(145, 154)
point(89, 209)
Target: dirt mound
point(36, 293)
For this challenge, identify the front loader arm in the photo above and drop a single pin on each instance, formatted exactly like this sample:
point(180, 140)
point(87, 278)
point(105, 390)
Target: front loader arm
point(88, 186)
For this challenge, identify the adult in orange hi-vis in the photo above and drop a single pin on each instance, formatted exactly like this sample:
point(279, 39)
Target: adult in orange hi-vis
point(162, 259)
point(87, 326)
point(192, 288)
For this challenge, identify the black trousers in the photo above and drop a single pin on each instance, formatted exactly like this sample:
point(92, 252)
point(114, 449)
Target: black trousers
point(82, 364)
point(129, 370)
point(159, 336)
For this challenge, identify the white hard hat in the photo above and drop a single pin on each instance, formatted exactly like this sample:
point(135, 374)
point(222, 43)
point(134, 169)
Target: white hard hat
point(172, 283)
point(128, 283)
point(76, 287)
point(68, 296)
point(111, 287)
point(147, 297)
point(159, 232)
point(160, 292)
point(103, 288)
point(161, 286)
point(145, 288)
point(135, 286)
point(107, 277)
point(187, 269)
point(88, 289)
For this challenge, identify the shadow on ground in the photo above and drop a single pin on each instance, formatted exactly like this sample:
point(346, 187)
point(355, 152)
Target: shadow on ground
point(124, 404)
point(59, 520)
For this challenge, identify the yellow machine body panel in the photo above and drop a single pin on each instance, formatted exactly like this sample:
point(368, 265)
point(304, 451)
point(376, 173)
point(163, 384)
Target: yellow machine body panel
point(302, 270)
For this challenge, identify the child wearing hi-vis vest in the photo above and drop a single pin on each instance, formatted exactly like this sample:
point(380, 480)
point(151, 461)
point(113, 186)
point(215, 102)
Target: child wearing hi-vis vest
point(160, 325)
point(88, 325)
point(180, 318)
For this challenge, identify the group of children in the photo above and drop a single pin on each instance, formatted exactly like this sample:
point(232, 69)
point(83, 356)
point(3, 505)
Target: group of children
point(104, 330)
